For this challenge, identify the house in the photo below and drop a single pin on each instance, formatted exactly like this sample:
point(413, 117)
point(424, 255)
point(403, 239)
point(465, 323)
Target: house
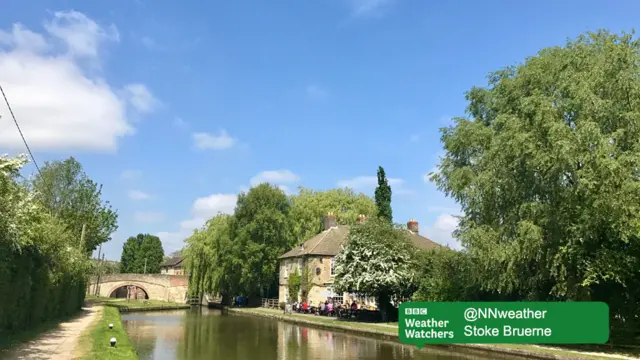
point(319, 252)
point(173, 266)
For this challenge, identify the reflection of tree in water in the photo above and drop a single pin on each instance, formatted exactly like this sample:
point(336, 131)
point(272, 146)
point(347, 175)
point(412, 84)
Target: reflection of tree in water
point(228, 337)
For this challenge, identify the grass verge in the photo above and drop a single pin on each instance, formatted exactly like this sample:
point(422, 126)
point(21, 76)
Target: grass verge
point(134, 304)
point(391, 330)
point(94, 343)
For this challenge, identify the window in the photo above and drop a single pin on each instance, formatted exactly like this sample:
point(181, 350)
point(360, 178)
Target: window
point(286, 269)
point(333, 266)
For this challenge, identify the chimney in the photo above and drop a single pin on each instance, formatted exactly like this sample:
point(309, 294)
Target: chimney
point(330, 221)
point(413, 226)
point(361, 219)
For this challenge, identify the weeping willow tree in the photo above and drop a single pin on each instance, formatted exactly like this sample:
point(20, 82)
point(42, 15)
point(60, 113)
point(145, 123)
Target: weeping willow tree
point(209, 259)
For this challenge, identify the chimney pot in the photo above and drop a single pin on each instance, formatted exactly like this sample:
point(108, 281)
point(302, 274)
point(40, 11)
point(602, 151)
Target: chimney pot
point(330, 221)
point(413, 226)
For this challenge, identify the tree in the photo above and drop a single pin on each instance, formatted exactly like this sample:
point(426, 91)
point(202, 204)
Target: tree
point(293, 285)
point(383, 196)
point(546, 171)
point(141, 254)
point(210, 259)
point(378, 260)
point(262, 231)
point(309, 207)
point(66, 190)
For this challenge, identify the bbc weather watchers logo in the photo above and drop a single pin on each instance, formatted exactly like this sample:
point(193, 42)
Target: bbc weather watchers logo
point(415, 311)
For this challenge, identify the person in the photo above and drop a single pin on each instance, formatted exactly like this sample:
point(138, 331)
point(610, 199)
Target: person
point(330, 308)
point(354, 305)
point(322, 308)
point(305, 306)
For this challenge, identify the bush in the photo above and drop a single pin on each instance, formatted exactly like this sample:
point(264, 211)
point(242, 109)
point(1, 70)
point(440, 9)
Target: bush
point(282, 305)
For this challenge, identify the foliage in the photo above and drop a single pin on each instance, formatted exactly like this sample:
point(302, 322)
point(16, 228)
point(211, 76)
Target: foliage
point(294, 283)
point(210, 257)
point(44, 265)
point(378, 260)
point(66, 190)
point(383, 196)
point(262, 231)
point(546, 172)
point(306, 281)
point(447, 275)
point(141, 254)
point(95, 342)
point(309, 207)
point(105, 267)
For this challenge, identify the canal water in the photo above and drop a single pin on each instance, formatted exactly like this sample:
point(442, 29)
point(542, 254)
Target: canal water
point(200, 334)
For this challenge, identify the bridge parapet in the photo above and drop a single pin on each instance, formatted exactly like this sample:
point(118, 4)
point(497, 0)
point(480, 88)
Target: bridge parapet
point(156, 286)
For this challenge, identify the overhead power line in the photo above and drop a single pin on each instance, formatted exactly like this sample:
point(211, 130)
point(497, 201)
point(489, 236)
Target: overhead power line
point(20, 130)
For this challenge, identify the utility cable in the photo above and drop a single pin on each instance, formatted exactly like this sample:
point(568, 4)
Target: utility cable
point(20, 130)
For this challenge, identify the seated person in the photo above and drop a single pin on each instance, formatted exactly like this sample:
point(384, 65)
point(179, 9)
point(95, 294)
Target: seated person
point(322, 308)
point(354, 305)
point(330, 308)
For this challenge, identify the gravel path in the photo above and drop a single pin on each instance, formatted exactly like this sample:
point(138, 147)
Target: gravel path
point(57, 344)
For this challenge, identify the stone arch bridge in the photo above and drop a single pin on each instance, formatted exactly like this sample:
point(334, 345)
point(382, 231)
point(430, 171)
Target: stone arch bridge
point(163, 287)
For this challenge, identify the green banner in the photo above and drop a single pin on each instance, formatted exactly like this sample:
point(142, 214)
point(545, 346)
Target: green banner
point(423, 323)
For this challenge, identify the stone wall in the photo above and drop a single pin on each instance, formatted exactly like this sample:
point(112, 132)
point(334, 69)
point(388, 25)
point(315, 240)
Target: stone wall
point(322, 281)
point(163, 287)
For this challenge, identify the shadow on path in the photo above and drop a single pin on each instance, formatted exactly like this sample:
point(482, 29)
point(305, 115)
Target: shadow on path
point(55, 344)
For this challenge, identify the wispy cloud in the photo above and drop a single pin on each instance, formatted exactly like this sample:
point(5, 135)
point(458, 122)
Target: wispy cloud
point(213, 141)
point(363, 8)
point(138, 195)
point(130, 174)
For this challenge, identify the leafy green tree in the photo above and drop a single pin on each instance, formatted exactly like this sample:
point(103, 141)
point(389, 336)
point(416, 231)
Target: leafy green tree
point(309, 207)
point(378, 260)
point(210, 259)
point(141, 254)
point(262, 232)
point(383, 196)
point(546, 171)
point(65, 189)
point(44, 266)
point(293, 285)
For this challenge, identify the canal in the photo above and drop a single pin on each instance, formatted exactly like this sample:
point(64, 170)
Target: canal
point(200, 334)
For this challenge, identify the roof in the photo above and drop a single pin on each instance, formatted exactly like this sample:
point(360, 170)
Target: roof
point(329, 243)
point(174, 261)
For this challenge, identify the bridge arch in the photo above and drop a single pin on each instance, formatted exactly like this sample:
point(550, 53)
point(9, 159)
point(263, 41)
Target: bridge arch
point(121, 290)
point(172, 288)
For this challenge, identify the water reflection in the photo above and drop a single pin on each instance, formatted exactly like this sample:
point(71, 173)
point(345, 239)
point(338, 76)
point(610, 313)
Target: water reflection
point(205, 334)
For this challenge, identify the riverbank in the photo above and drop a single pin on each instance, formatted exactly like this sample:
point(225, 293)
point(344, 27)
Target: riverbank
point(390, 332)
point(95, 344)
point(125, 305)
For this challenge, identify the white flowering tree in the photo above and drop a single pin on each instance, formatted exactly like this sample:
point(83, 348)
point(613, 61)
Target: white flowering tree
point(378, 260)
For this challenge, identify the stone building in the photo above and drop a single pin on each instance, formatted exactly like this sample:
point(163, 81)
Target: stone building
point(319, 252)
point(173, 266)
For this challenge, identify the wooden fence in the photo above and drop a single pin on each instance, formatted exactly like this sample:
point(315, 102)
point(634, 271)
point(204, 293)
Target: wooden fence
point(270, 303)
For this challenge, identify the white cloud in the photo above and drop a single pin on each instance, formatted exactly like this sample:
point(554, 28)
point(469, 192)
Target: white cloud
point(362, 8)
point(130, 174)
point(211, 205)
point(140, 98)
point(58, 104)
point(221, 141)
point(275, 177)
point(81, 35)
point(148, 217)
point(441, 231)
point(202, 209)
point(138, 195)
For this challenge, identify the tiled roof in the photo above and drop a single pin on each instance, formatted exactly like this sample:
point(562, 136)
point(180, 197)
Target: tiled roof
point(329, 242)
point(174, 261)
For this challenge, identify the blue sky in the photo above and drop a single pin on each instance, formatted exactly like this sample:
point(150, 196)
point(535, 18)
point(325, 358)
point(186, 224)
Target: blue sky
point(177, 106)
